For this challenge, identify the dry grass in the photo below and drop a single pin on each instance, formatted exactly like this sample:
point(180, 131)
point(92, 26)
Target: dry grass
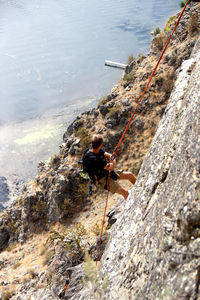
point(28, 261)
point(193, 24)
point(159, 41)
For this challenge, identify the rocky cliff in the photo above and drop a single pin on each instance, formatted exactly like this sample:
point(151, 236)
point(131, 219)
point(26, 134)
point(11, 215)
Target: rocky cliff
point(154, 249)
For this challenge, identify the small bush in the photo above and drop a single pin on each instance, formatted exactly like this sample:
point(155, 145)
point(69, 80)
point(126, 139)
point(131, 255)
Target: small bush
point(193, 24)
point(82, 133)
point(96, 229)
point(76, 234)
point(182, 4)
point(156, 31)
point(94, 282)
point(168, 85)
point(114, 111)
point(141, 57)
point(159, 41)
point(54, 159)
point(167, 28)
point(72, 241)
point(129, 78)
point(39, 210)
point(130, 59)
point(102, 101)
point(169, 23)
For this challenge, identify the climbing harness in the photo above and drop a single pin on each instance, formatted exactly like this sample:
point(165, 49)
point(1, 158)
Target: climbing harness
point(127, 126)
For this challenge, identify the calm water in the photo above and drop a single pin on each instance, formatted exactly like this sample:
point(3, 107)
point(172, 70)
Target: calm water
point(52, 66)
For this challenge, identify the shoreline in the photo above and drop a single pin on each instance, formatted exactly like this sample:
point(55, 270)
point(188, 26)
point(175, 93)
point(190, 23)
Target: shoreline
point(26, 143)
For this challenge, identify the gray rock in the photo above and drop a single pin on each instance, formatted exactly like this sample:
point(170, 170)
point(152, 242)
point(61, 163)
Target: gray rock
point(103, 109)
point(125, 102)
point(155, 240)
point(4, 191)
point(4, 238)
point(75, 144)
point(112, 96)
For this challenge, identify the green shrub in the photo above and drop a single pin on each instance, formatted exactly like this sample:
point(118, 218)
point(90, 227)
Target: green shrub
point(94, 280)
point(82, 133)
point(39, 210)
point(167, 28)
point(156, 31)
point(114, 110)
point(74, 245)
point(76, 234)
point(182, 4)
point(96, 229)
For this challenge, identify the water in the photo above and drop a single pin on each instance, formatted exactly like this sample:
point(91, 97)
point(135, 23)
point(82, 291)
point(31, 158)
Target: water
point(52, 66)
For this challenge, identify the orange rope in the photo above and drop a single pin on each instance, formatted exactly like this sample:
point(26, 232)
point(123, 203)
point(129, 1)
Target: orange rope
point(127, 126)
point(161, 56)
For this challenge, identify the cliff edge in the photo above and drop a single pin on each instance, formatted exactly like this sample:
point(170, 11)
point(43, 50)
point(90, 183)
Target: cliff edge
point(153, 252)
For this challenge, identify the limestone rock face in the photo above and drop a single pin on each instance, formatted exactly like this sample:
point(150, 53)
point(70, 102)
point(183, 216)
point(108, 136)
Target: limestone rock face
point(154, 250)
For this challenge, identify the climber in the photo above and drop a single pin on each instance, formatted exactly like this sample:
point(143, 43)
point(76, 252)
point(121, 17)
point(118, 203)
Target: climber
point(97, 164)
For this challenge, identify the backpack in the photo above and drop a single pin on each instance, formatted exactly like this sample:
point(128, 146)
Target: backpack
point(88, 167)
point(94, 173)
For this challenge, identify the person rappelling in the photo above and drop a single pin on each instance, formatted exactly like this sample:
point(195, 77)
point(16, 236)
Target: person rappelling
point(98, 164)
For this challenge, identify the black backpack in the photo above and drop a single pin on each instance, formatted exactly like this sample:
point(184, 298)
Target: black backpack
point(93, 173)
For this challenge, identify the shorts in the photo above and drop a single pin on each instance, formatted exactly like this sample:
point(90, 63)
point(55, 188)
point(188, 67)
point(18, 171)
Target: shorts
point(113, 183)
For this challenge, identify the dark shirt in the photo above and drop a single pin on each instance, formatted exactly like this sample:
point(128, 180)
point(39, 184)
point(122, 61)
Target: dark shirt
point(95, 164)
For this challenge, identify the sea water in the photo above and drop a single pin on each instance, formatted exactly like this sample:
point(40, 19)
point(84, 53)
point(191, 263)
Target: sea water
point(52, 67)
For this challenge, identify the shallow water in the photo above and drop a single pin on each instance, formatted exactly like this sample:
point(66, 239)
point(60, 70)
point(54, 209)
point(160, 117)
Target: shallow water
point(52, 67)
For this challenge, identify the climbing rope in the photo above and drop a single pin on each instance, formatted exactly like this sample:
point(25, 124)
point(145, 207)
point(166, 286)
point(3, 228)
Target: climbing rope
point(127, 126)
point(142, 96)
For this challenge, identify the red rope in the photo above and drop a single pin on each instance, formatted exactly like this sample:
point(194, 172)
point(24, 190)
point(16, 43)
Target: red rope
point(127, 126)
point(161, 56)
